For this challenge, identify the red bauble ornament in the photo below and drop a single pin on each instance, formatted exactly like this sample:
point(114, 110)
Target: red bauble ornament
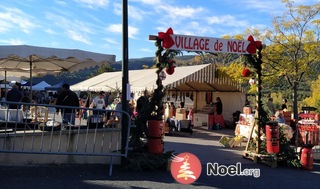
point(245, 72)
point(170, 70)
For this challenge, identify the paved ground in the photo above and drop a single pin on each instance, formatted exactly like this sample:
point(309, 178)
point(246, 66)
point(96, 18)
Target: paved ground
point(204, 144)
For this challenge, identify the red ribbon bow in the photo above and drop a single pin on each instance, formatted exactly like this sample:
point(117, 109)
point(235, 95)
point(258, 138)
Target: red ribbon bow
point(167, 41)
point(253, 45)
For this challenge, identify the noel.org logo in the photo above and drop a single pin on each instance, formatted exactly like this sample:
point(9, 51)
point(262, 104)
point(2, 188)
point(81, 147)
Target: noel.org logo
point(185, 168)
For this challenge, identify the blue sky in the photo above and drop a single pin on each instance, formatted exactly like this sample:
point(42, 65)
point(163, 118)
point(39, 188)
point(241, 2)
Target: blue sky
point(96, 25)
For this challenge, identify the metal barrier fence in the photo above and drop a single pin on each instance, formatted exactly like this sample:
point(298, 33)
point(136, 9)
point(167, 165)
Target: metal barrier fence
point(38, 129)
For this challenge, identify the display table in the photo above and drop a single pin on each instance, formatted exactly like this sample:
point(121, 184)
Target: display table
point(217, 119)
point(208, 120)
point(245, 124)
point(243, 130)
point(201, 119)
point(308, 133)
point(11, 115)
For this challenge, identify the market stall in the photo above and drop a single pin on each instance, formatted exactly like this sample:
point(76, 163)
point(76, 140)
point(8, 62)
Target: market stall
point(188, 84)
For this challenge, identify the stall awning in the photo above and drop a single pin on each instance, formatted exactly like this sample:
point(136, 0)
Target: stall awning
point(205, 79)
point(186, 78)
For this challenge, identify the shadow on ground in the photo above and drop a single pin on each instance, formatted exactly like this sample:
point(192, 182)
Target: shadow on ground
point(204, 144)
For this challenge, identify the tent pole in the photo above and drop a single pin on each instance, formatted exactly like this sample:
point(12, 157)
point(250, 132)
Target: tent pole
point(5, 84)
point(124, 121)
point(30, 63)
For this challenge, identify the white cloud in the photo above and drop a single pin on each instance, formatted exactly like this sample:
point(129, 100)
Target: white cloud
point(63, 3)
point(146, 50)
point(110, 40)
point(149, 2)
point(117, 8)
point(196, 28)
point(180, 12)
point(13, 42)
point(5, 25)
point(227, 20)
point(132, 31)
point(183, 19)
point(133, 12)
point(14, 19)
point(270, 7)
point(76, 36)
point(75, 29)
point(93, 4)
point(117, 28)
point(50, 31)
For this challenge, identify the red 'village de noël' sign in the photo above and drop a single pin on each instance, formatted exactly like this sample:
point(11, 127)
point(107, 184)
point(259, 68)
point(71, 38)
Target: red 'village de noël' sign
point(209, 44)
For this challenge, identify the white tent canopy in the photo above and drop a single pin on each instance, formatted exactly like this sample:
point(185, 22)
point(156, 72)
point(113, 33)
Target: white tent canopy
point(40, 86)
point(3, 86)
point(187, 78)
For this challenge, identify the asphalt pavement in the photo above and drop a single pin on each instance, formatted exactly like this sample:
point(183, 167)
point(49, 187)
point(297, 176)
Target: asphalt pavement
point(204, 144)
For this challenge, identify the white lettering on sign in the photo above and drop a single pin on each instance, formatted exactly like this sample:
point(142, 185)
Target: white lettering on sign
point(208, 44)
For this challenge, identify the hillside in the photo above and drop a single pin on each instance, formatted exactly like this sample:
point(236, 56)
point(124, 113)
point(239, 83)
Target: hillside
point(139, 63)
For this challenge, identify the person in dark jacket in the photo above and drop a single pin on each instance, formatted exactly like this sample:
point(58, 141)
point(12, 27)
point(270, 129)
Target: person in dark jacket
point(219, 105)
point(284, 105)
point(14, 95)
point(67, 98)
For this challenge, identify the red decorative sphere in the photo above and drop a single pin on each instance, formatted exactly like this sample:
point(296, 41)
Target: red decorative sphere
point(245, 72)
point(170, 70)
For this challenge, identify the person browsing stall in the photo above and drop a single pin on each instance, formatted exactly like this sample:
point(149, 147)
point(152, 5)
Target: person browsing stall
point(271, 107)
point(284, 105)
point(219, 106)
point(67, 98)
point(14, 95)
point(279, 117)
point(99, 103)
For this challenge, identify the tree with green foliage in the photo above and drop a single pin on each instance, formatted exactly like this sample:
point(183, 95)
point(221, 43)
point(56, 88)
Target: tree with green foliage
point(314, 99)
point(102, 69)
point(292, 50)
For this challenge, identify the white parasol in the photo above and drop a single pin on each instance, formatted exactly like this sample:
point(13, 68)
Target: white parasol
point(24, 58)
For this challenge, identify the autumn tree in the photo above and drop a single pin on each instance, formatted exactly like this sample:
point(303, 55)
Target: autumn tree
point(293, 46)
point(314, 99)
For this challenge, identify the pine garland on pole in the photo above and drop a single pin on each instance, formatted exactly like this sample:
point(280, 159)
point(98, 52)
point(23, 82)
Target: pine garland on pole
point(255, 60)
point(164, 60)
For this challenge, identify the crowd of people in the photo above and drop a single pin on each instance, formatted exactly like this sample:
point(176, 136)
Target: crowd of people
point(106, 105)
point(99, 105)
point(92, 104)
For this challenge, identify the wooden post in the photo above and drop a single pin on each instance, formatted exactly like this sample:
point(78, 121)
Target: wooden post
point(153, 37)
point(258, 67)
point(259, 74)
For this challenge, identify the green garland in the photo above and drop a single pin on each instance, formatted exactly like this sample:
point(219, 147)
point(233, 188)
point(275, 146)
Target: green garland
point(164, 57)
point(163, 60)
